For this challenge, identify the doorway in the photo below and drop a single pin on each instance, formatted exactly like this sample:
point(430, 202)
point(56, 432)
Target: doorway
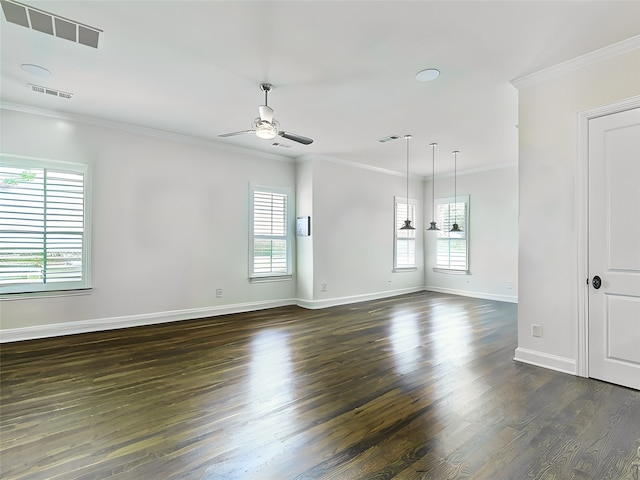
point(610, 320)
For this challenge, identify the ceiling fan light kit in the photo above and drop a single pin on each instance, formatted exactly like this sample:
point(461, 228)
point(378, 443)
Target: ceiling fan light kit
point(265, 126)
point(265, 130)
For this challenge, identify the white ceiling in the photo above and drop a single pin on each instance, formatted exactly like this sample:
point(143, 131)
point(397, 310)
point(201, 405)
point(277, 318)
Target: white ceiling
point(343, 72)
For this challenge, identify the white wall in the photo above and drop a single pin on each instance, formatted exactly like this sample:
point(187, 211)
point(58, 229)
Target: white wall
point(170, 224)
point(548, 280)
point(353, 230)
point(304, 208)
point(493, 235)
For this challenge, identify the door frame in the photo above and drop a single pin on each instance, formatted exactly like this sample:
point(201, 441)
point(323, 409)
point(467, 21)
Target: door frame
point(582, 226)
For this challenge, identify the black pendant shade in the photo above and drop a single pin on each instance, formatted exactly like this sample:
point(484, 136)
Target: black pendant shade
point(407, 225)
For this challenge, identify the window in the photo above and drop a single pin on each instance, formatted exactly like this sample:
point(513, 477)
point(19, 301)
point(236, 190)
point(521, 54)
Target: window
point(44, 241)
point(270, 242)
point(452, 248)
point(404, 240)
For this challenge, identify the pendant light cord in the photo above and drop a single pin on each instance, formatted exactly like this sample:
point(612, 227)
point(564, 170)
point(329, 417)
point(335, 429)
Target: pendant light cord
point(433, 179)
point(407, 222)
point(407, 137)
point(455, 184)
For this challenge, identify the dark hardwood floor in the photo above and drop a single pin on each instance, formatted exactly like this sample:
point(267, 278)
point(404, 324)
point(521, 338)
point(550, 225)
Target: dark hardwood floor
point(422, 386)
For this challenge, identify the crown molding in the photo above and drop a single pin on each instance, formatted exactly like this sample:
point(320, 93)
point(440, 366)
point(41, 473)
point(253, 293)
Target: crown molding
point(577, 63)
point(395, 173)
point(131, 128)
point(473, 171)
point(350, 163)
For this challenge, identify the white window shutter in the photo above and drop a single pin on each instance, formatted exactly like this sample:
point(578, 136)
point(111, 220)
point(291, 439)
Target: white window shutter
point(43, 242)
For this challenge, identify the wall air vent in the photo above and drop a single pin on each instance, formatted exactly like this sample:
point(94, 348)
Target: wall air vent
point(50, 24)
point(50, 91)
point(389, 138)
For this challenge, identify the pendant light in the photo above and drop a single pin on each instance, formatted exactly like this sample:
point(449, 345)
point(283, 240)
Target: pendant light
point(407, 222)
point(455, 228)
point(433, 186)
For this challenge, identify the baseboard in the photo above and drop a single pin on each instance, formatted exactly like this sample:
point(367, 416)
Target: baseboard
point(546, 360)
point(465, 293)
point(100, 324)
point(332, 302)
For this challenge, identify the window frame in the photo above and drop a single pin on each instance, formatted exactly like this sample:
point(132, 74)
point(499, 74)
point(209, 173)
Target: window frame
point(43, 288)
point(287, 237)
point(444, 235)
point(397, 223)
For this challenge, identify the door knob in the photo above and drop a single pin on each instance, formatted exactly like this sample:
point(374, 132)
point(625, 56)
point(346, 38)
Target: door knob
point(596, 282)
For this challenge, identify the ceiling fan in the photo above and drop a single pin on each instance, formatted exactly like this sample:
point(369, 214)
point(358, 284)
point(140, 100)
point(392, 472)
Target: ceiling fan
point(265, 126)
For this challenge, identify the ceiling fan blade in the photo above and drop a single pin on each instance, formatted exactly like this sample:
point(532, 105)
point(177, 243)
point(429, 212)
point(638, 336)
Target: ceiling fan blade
point(295, 138)
point(233, 134)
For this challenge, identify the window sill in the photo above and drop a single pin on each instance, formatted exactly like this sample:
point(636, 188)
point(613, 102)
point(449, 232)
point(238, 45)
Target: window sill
point(45, 294)
point(407, 269)
point(272, 278)
point(452, 272)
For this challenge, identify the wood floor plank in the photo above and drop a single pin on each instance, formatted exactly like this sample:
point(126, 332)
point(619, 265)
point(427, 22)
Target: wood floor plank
point(421, 386)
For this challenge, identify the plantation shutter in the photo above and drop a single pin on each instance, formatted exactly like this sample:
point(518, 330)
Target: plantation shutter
point(405, 240)
point(452, 247)
point(42, 229)
point(270, 248)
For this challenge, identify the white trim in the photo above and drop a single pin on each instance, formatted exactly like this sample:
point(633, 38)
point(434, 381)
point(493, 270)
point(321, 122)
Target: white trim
point(362, 166)
point(112, 323)
point(332, 302)
point(582, 217)
point(410, 202)
point(289, 236)
point(151, 132)
point(472, 171)
point(466, 293)
point(6, 297)
point(577, 63)
point(102, 324)
point(397, 173)
point(450, 271)
point(545, 360)
point(466, 199)
point(26, 290)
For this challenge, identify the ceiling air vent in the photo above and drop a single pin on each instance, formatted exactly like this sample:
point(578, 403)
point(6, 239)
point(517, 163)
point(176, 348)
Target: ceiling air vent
point(389, 138)
point(281, 145)
point(50, 91)
point(50, 24)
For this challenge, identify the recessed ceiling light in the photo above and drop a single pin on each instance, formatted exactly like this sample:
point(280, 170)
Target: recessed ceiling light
point(427, 75)
point(35, 70)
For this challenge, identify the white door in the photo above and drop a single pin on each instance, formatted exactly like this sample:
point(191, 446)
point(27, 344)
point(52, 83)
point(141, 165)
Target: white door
point(614, 248)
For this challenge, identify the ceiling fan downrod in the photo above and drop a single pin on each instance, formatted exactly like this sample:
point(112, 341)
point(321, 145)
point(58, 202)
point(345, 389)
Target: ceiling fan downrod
point(266, 88)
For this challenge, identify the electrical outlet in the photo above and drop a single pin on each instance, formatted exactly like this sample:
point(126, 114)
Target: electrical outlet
point(218, 293)
point(536, 330)
point(323, 287)
point(509, 285)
